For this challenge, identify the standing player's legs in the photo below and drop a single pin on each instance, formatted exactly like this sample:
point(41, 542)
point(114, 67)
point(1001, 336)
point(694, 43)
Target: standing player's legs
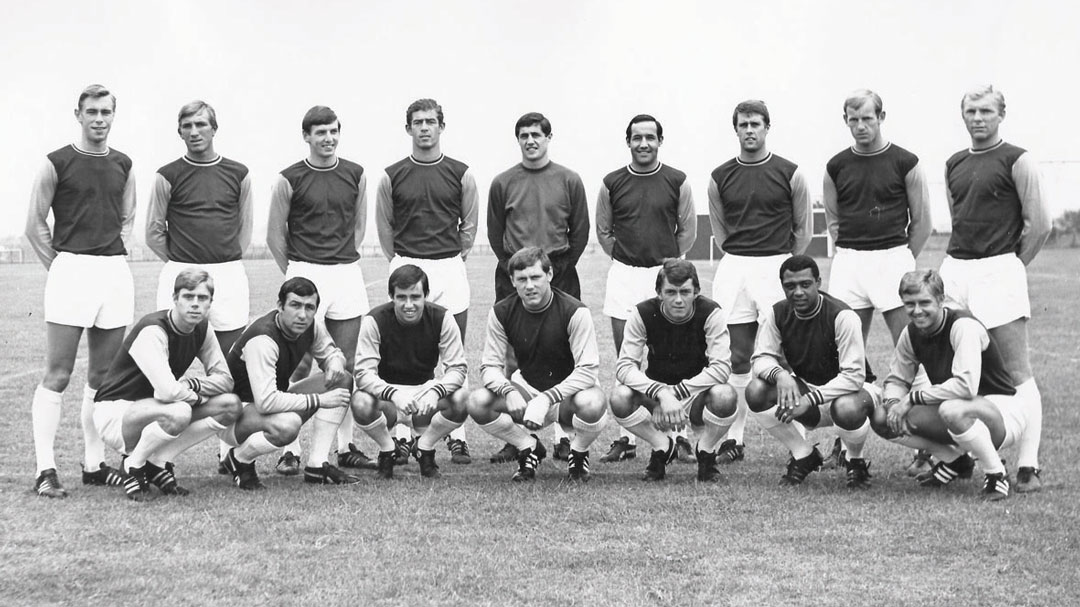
point(62, 344)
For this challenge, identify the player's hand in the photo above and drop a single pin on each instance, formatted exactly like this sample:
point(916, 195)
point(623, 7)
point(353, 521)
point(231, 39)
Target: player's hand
point(403, 402)
point(515, 402)
point(334, 399)
point(669, 415)
point(424, 404)
point(897, 416)
point(535, 412)
point(788, 414)
point(787, 396)
point(335, 375)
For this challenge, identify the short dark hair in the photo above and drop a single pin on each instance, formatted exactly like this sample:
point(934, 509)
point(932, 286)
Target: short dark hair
point(194, 107)
point(677, 271)
point(191, 277)
point(318, 116)
point(533, 118)
point(645, 118)
point(798, 263)
point(423, 105)
point(526, 257)
point(750, 106)
point(96, 91)
point(913, 282)
point(405, 277)
point(299, 286)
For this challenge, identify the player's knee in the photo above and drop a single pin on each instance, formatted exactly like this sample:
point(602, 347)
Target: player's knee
point(231, 408)
point(283, 429)
point(590, 404)
point(175, 417)
point(848, 412)
point(953, 411)
point(57, 379)
point(879, 423)
point(479, 405)
point(364, 407)
point(621, 399)
point(458, 409)
point(757, 395)
point(722, 400)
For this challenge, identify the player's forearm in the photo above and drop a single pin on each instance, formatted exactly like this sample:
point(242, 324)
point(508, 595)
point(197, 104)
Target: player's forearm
point(218, 379)
point(802, 215)
point(1033, 208)
point(277, 223)
point(920, 224)
point(686, 225)
point(37, 217)
point(605, 235)
point(127, 214)
point(470, 212)
point(150, 352)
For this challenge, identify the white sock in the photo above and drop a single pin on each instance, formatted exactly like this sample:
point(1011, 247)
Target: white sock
point(1028, 443)
point(223, 449)
point(257, 444)
point(788, 434)
point(153, 437)
point(379, 433)
point(459, 433)
point(628, 435)
point(943, 453)
point(293, 447)
point(739, 381)
point(713, 431)
point(505, 429)
point(977, 441)
point(559, 432)
point(93, 446)
point(45, 417)
point(640, 424)
point(345, 433)
point(585, 433)
point(439, 429)
point(194, 434)
point(403, 431)
point(324, 427)
point(854, 440)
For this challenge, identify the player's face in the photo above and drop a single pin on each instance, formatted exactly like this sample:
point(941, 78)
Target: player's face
point(192, 305)
point(409, 304)
point(533, 285)
point(96, 117)
point(323, 140)
point(297, 313)
point(801, 289)
point(751, 130)
point(424, 128)
point(644, 144)
point(864, 124)
point(924, 310)
point(982, 119)
point(197, 133)
point(534, 143)
point(678, 300)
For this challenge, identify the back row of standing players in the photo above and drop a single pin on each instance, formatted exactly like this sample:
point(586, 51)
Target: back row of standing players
point(426, 210)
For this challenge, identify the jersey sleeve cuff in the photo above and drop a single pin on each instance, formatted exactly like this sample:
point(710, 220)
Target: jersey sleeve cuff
point(554, 396)
point(388, 393)
point(681, 391)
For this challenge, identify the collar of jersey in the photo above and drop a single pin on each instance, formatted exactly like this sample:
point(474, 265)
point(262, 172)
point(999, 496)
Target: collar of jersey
point(202, 163)
point(542, 308)
point(989, 149)
point(744, 163)
point(168, 319)
point(85, 153)
point(941, 325)
point(630, 168)
point(812, 313)
point(427, 164)
point(888, 144)
point(329, 168)
point(284, 333)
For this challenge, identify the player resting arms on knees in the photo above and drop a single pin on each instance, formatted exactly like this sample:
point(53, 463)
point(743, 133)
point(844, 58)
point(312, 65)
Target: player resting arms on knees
point(146, 407)
point(261, 361)
point(553, 337)
point(826, 381)
point(972, 406)
point(401, 344)
point(90, 190)
point(682, 336)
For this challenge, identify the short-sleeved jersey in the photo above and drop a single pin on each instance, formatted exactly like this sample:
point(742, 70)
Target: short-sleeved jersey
point(322, 212)
point(126, 381)
point(88, 204)
point(809, 344)
point(427, 207)
point(408, 353)
point(871, 197)
point(935, 352)
point(987, 215)
point(541, 340)
point(644, 214)
point(756, 201)
point(203, 212)
point(290, 353)
point(676, 351)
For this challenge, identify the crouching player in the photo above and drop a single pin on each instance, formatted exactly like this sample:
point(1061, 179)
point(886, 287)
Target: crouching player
point(553, 337)
point(826, 382)
point(972, 405)
point(684, 337)
point(401, 343)
point(146, 408)
point(262, 360)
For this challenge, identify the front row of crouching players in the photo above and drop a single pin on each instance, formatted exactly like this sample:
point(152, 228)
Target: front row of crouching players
point(146, 408)
point(683, 336)
point(552, 336)
point(825, 381)
point(972, 405)
point(400, 346)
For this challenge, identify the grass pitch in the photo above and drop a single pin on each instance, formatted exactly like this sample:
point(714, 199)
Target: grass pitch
point(473, 538)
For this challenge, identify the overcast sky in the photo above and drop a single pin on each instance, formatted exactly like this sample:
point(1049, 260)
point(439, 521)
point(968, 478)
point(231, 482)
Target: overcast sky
point(589, 66)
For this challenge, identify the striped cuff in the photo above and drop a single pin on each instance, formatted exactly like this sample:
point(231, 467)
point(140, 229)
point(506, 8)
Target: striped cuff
point(816, 398)
point(554, 396)
point(387, 393)
point(653, 391)
point(917, 397)
point(440, 391)
point(681, 391)
point(311, 402)
point(194, 384)
point(504, 390)
point(771, 375)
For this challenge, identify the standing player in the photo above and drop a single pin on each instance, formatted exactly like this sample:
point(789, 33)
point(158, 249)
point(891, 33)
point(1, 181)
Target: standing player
point(261, 361)
point(824, 381)
point(90, 190)
point(971, 405)
point(201, 214)
point(759, 207)
point(1000, 222)
point(426, 211)
point(401, 344)
point(644, 215)
point(537, 203)
point(683, 338)
point(877, 206)
point(553, 337)
point(146, 408)
point(318, 211)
